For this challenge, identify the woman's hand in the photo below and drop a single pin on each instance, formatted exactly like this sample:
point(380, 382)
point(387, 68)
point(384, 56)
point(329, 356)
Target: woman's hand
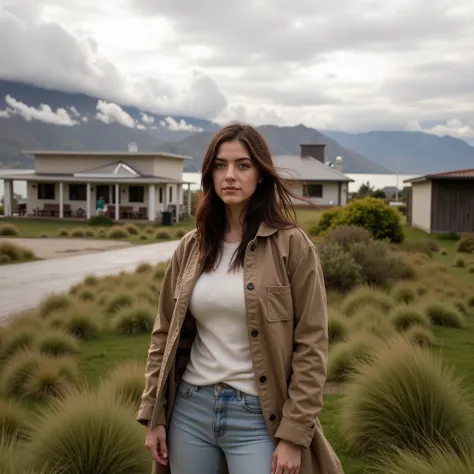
point(286, 458)
point(155, 442)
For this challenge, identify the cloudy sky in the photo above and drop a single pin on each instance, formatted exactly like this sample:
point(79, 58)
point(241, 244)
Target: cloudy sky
point(353, 65)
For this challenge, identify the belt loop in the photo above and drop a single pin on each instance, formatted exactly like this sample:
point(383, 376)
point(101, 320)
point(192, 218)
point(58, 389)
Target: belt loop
point(239, 395)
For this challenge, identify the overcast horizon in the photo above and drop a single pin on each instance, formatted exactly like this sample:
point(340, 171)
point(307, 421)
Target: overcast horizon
point(339, 66)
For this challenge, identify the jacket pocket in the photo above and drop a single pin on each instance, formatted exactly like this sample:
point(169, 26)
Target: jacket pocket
point(279, 303)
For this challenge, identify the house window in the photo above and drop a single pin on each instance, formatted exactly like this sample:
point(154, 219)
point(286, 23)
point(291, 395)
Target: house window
point(78, 192)
point(46, 190)
point(161, 195)
point(171, 194)
point(313, 190)
point(136, 194)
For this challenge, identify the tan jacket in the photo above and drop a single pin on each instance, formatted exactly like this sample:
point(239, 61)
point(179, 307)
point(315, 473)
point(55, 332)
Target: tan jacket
point(287, 328)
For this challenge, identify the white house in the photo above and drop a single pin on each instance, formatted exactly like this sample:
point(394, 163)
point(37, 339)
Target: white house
point(311, 177)
point(133, 184)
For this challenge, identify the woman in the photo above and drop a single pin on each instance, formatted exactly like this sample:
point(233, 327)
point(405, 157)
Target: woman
point(237, 361)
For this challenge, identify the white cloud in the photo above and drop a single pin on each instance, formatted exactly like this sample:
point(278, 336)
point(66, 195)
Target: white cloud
point(140, 126)
point(147, 118)
point(44, 113)
point(110, 112)
point(74, 111)
point(453, 127)
point(181, 126)
point(5, 113)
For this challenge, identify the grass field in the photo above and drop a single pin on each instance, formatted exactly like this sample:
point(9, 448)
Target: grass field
point(456, 346)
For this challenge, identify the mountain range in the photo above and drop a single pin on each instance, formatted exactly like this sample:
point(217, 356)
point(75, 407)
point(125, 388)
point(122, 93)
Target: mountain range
point(39, 118)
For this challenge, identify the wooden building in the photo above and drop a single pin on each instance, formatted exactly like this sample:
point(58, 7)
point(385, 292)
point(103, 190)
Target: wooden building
point(442, 202)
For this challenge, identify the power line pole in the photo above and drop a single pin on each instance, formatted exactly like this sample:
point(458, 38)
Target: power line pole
point(397, 159)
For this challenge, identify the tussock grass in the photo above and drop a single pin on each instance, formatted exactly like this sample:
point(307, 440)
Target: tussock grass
point(77, 232)
point(131, 229)
point(86, 295)
point(9, 230)
point(11, 252)
point(81, 425)
point(404, 293)
point(16, 340)
point(372, 320)
point(179, 234)
point(126, 380)
point(162, 235)
point(117, 232)
point(83, 323)
point(365, 296)
point(144, 267)
point(345, 357)
point(55, 303)
point(421, 336)
point(404, 398)
point(57, 343)
point(63, 233)
point(404, 317)
point(444, 315)
point(118, 302)
point(134, 321)
point(338, 328)
point(15, 421)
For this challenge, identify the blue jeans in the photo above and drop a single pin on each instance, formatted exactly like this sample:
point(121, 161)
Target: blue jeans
point(215, 423)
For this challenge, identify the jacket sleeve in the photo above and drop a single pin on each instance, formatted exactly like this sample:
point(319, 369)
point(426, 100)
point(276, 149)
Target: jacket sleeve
point(309, 363)
point(157, 346)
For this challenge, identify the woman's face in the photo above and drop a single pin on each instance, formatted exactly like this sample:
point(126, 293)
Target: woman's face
point(235, 176)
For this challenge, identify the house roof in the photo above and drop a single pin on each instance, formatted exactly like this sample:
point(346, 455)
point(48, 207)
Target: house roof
point(294, 167)
point(457, 174)
point(127, 154)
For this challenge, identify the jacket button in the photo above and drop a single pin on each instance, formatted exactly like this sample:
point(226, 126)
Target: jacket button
point(250, 286)
point(273, 417)
point(253, 247)
point(263, 379)
point(254, 333)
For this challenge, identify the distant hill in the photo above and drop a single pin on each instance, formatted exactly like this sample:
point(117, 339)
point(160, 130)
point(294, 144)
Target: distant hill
point(420, 152)
point(283, 141)
point(363, 153)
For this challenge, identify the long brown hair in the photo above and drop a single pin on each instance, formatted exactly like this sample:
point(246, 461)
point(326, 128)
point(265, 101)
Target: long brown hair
point(271, 202)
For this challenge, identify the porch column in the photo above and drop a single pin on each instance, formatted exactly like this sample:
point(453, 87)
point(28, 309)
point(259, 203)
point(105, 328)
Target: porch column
point(165, 197)
point(117, 207)
point(189, 200)
point(7, 197)
point(61, 199)
point(178, 201)
point(151, 202)
point(88, 200)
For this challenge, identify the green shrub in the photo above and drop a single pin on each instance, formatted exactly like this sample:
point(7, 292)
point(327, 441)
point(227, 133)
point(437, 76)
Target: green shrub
point(366, 296)
point(459, 262)
point(443, 315)
point(404, 317)
point(91, 280)
point(436, 460)
point(404, 398)
point(117, 232)
point(15, 422)
point(327, 219)
point(82, 325)
point(453, 236)
point(77, 232)
point(2, 210)
point(346, 236)
point(143, 237)
point(314, 230)
point(338, 328)
point(118, 302)
point(404, 293)
point(423, 247)
point(126, 381)
point(9, 230)
point(470, 301)
point(134, 321)
point(101, 221)
point(345, 357)
point(89, 233)
point(470, 269)
point(466, 244)
point(340, 270)
point(57, 343)
point(55, 302)
point(77, 428)
point(63, 233)
point(381, 220)
point(378, 266)
point(149, 230)
point(179, 234)
point(443, 252)
point(159, 272)
point(132, 229)
point(162, 235)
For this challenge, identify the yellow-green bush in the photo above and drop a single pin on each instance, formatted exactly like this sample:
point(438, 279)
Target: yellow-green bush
point(132, 229)
point(9, 230)
point(10, 252)
point(55, 302)
point(404, 398)
point(366, 296)
point(134, 321)
point(444, 315)
point(117, 232)
point(404, 317)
